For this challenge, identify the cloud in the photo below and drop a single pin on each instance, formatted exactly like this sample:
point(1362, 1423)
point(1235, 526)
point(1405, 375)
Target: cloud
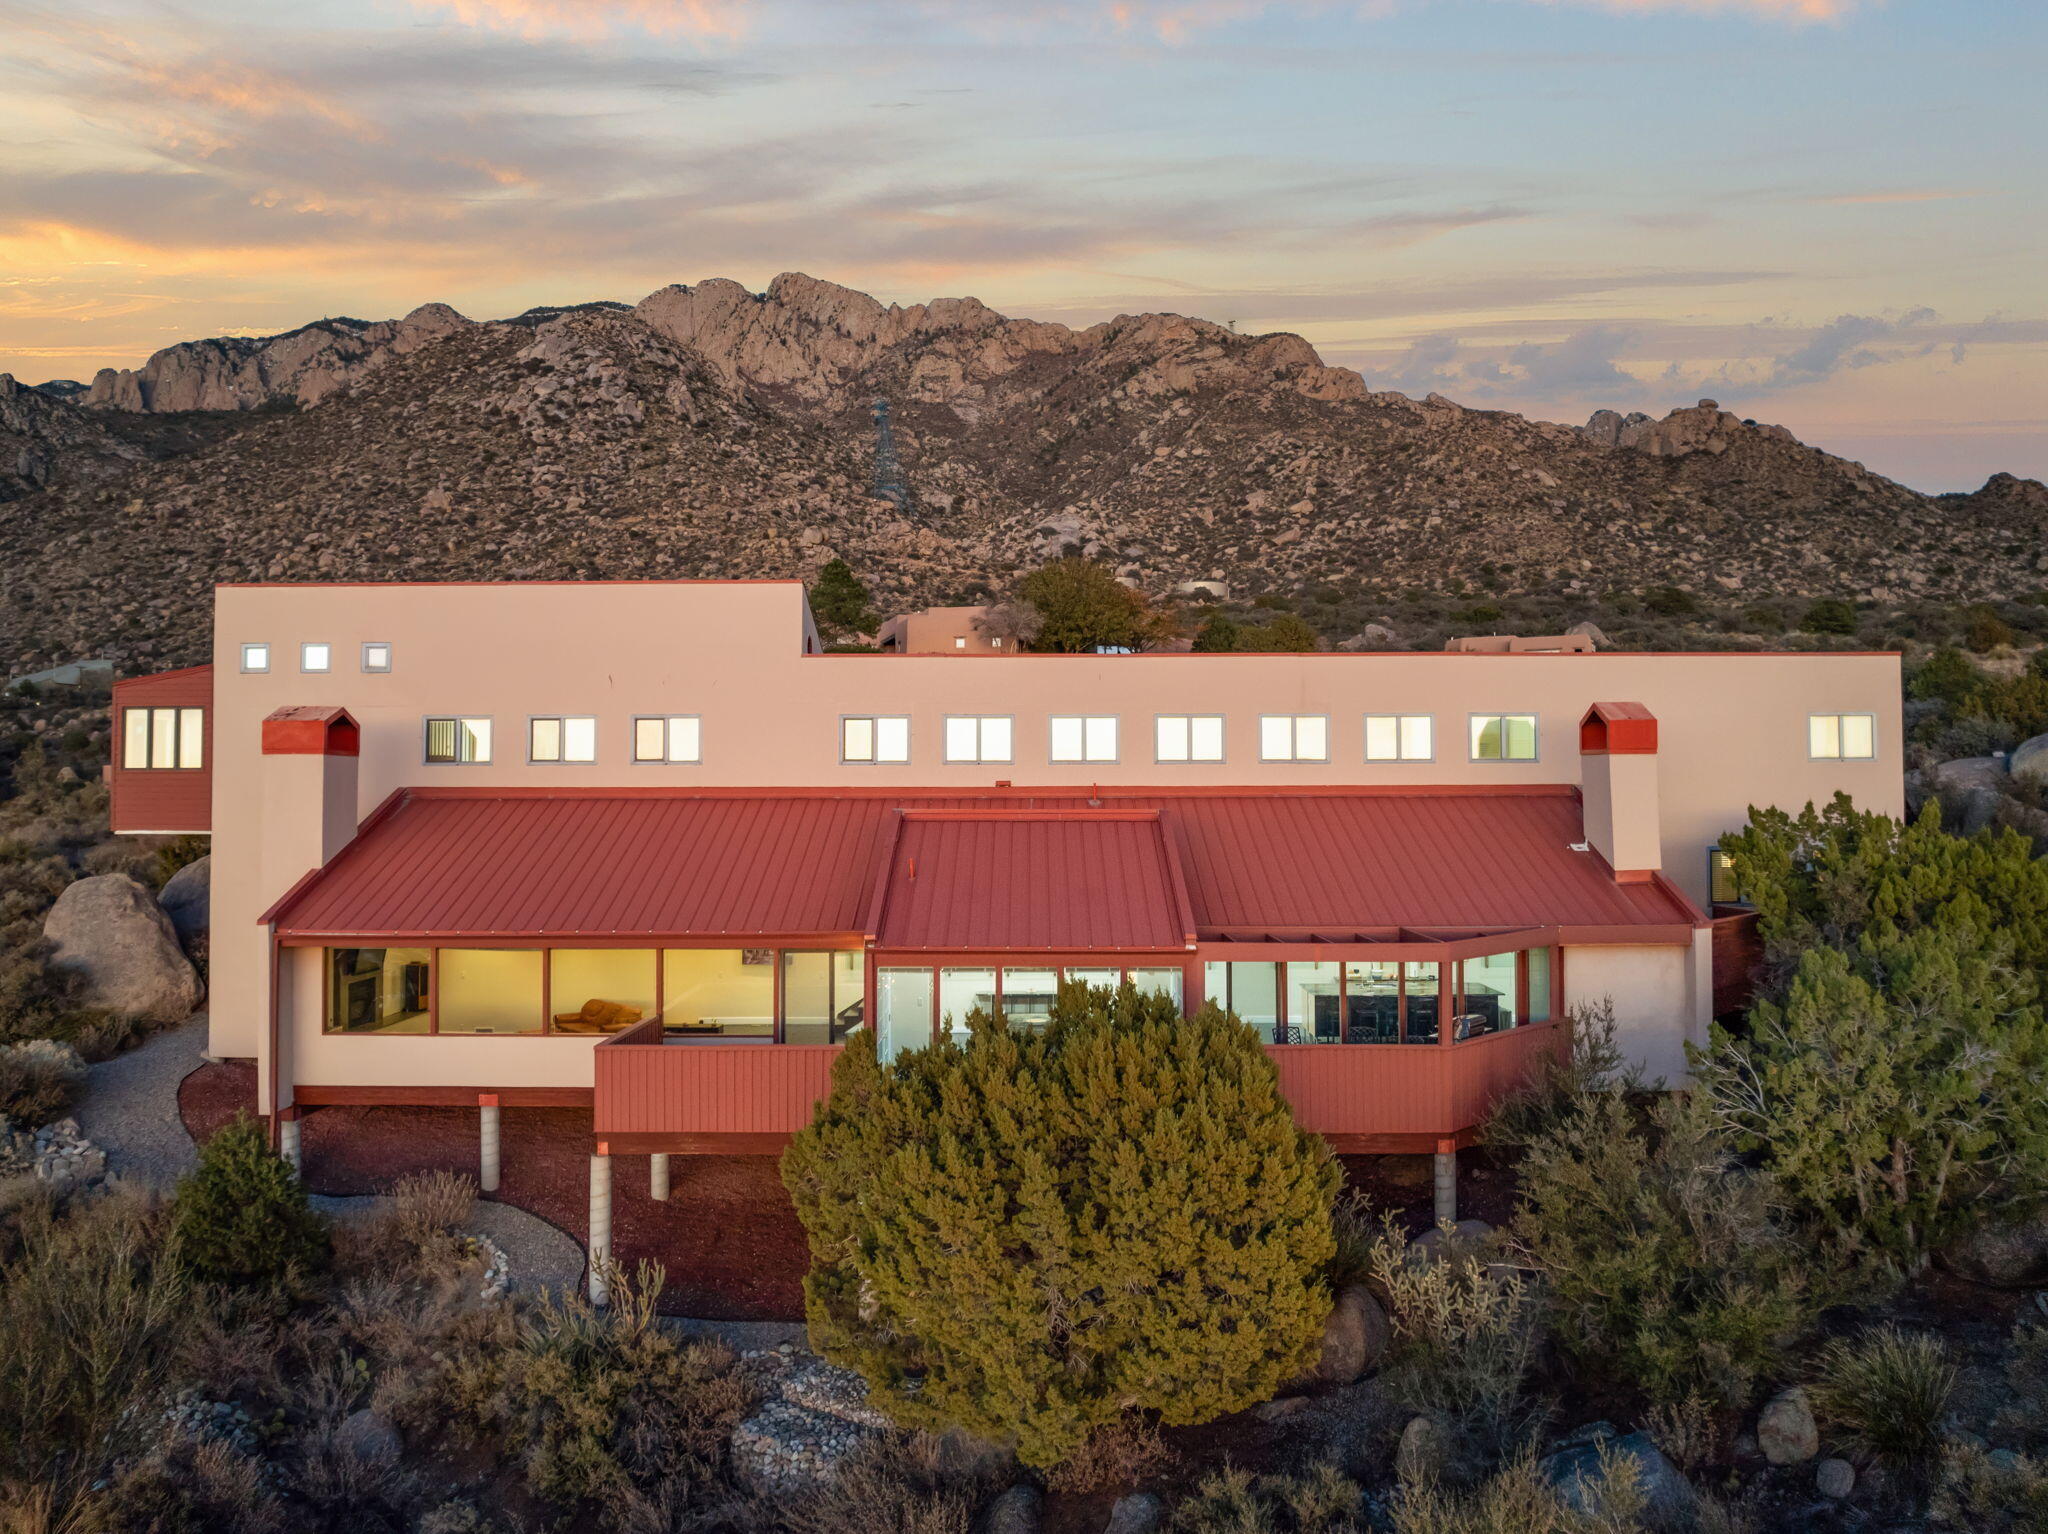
point(601, 18)
point(1927, 194)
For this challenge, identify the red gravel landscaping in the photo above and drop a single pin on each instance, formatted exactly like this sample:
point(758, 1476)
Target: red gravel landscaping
point(728, 1236)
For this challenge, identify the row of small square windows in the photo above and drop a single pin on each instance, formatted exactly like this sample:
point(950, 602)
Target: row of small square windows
point(316, 657)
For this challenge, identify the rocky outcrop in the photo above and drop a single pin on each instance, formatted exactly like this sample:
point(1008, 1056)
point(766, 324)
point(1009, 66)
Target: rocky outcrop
point(109, 931)
point(42, 435)
point(303, 366)
point(2028, 762)
point(187, 899)
point(1704, 428)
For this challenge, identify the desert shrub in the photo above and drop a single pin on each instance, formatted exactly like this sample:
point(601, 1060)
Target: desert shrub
point(176, 854)
point(605, 1407)
point(1887, 1079)
point(241, 1215)
point(1982, 1495)
point(1985, 630)
point(1117, 1454)
point(1830, 615)
point(1670, 602)
point(1884, 1395)
point(1044, 1230)
point(897, 1483)
point(187, 1485)
point(1465, 1335)
point(2025, 1413)
point(39, 1081)
point(91, 1305)
point(418, 1231)
point(1666, 1265)
point(1690, 1431)
point(1319, 1500)
point(1594, 1066)
point(1519, 1499)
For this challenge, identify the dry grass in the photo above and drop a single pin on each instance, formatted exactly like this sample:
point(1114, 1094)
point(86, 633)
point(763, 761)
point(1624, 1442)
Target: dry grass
point(1319, 1500)
point(1520, 1500)
point(1118, 1454)
point(898, 1483)
point(1885, 1394)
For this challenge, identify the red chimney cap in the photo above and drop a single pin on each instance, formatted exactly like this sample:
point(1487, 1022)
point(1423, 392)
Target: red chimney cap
point(1618, 729)
point(307, 730)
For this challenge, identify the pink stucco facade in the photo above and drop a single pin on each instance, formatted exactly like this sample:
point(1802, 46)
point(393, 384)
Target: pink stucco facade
point(741, 659)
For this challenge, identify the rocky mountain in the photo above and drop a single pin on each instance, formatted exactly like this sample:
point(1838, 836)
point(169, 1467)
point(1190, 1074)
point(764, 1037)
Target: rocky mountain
point(710, 430)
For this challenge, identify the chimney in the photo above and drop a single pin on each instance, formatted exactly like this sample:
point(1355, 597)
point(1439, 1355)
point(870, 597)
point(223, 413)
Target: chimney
point(1618, 781)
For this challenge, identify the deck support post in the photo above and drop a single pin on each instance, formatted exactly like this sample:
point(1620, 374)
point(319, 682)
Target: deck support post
point(1446, 1182)
point(657, 1178)
point(487, 1143)
point(600, 1226)
point(288, 1139)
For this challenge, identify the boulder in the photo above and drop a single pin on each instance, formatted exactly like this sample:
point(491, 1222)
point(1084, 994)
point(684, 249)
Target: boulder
point(185, 899)
point(1423, 1451)
point(109, 931)
point(1012, 1512)
point(2029, 762)
point(1355, 1338)
point(2006, 1252)
point(1785, 1429)
point(1437, 1242)
point(1578, 1471)
point(1593, 632)
point(1834, 1478)
point(1139, 1513)
point(1970, 789)
point(369, 1436)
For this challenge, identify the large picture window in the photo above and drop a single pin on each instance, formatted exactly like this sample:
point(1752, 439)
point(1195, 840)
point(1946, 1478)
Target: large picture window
point(163, 739)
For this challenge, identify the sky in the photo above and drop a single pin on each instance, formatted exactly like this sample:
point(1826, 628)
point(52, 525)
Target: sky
point(1824, 213)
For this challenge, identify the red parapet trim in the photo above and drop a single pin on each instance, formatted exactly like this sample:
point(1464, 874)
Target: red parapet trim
point(205, 668)
point(762, 580)
point(1024, 791)
point(560, 938)
point(1360, 655)
point(442, 1097)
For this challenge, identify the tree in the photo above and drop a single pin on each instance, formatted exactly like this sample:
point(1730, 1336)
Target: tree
point(1031, 1233)
point(839, 601)
point(1016, 623)
point(1986, 630)
point(241, 1215)
point(1669, 601)
point(1890, 1076)
point(1217, 635)
point(1284, 633)
point(1667, 1266)
point(1830, 615)
point(1084, 607)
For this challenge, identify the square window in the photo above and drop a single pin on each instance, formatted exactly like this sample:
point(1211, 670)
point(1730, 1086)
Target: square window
point(255, 657)
point(959, 641)
point(1189, 738)
point(465, 741)
point(874, 739)
point(1400, 738)
point(1503, 737)
point(376, 656)
point(315, 657)
point(977, 737)
point(1294, 738)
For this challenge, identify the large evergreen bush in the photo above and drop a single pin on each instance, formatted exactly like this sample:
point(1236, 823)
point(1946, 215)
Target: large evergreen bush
point(1031, 1233)
point(241, 1216)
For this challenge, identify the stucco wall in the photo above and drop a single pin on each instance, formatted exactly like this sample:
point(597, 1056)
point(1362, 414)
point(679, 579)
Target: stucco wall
point(1657, 1005)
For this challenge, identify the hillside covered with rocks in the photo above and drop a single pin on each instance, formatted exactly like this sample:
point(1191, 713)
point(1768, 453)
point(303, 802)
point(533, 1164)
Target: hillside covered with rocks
point(711, 431)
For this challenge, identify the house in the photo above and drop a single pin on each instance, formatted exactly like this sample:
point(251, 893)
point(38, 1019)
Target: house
point(940, 631)
point(641, 848)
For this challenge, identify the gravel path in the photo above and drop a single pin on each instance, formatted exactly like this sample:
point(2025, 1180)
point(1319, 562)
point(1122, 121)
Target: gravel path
point(539, 1256)
point(130, 1106)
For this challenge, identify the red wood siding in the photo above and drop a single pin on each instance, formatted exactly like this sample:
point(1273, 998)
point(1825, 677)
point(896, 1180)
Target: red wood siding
point(1738, 950)
point(1335, 1089)
point(163, 799)
point(709, 1088)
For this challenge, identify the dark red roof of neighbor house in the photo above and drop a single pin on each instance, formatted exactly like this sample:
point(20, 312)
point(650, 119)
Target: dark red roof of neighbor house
point(622, 863)
point(1051, 880)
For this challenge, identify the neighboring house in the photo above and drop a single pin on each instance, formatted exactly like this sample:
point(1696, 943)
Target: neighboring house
point(940, 631)
point(639, 848)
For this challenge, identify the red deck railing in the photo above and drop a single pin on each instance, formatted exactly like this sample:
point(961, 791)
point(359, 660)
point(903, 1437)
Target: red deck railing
point(1375, 1092)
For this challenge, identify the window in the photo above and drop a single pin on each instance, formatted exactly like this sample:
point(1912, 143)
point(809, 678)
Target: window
point(1294, 738)
point(1400, 738)
point(1488, 998)
point(1721, 886)
point(667, 738)
point(255, 657)
point(1539, 985)
point(564, 738)
point(903, 1010)
point(959, 641)
point(963, 992)
point(1190, 738)
point(977, 737)
point(489, 990)
point(1503, 737)
point(316, 657)
point(874, 738)
point(1084, 738)
point(1841, 737)
point(376, 656)
point(163, 739)
point(459, 740)
point(599, 990)
point(378, 990)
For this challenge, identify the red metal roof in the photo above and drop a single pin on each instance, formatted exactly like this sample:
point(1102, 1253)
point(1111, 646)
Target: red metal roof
point(540, 863)
point(1049, 880)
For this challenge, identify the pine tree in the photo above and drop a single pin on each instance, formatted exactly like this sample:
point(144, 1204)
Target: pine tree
point(839, 602)
point(241, 1216)
point(1028, 1234)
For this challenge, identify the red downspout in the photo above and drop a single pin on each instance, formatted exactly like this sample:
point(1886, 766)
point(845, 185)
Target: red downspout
point(270, 937)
